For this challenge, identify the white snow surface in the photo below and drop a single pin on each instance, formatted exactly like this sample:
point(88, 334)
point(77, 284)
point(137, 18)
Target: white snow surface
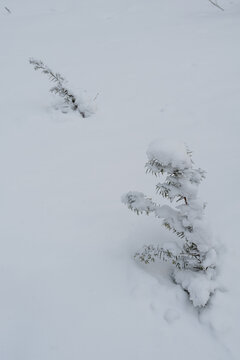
point(70, 288)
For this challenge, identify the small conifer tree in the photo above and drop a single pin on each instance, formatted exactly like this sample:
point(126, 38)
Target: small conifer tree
point(60, 88)
point(194, 263)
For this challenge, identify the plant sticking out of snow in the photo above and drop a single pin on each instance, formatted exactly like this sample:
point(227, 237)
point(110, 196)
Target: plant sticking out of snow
point(194, 263)
point(61, 89)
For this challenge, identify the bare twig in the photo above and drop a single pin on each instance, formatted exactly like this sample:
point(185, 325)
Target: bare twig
point(95, 98)
point(215, 4)
point(8, 10)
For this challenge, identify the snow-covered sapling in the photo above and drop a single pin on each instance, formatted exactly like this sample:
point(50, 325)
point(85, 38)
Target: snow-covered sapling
point(61, 89)
point(194, 259)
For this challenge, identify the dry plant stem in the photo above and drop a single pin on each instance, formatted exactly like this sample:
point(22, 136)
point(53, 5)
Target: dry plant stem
point(8, 10)
point(215, 4)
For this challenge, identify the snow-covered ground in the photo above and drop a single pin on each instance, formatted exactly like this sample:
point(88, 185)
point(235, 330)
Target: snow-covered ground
point(69, 287)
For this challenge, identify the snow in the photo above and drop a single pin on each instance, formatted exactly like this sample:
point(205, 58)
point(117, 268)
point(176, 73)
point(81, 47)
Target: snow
point(70, 288)
point(171, 316)
point(198, 285)
point(169, 152)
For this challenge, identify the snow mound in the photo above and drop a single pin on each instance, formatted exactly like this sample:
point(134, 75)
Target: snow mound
point(169, 153)
point(199, 285)
point(171, 315)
